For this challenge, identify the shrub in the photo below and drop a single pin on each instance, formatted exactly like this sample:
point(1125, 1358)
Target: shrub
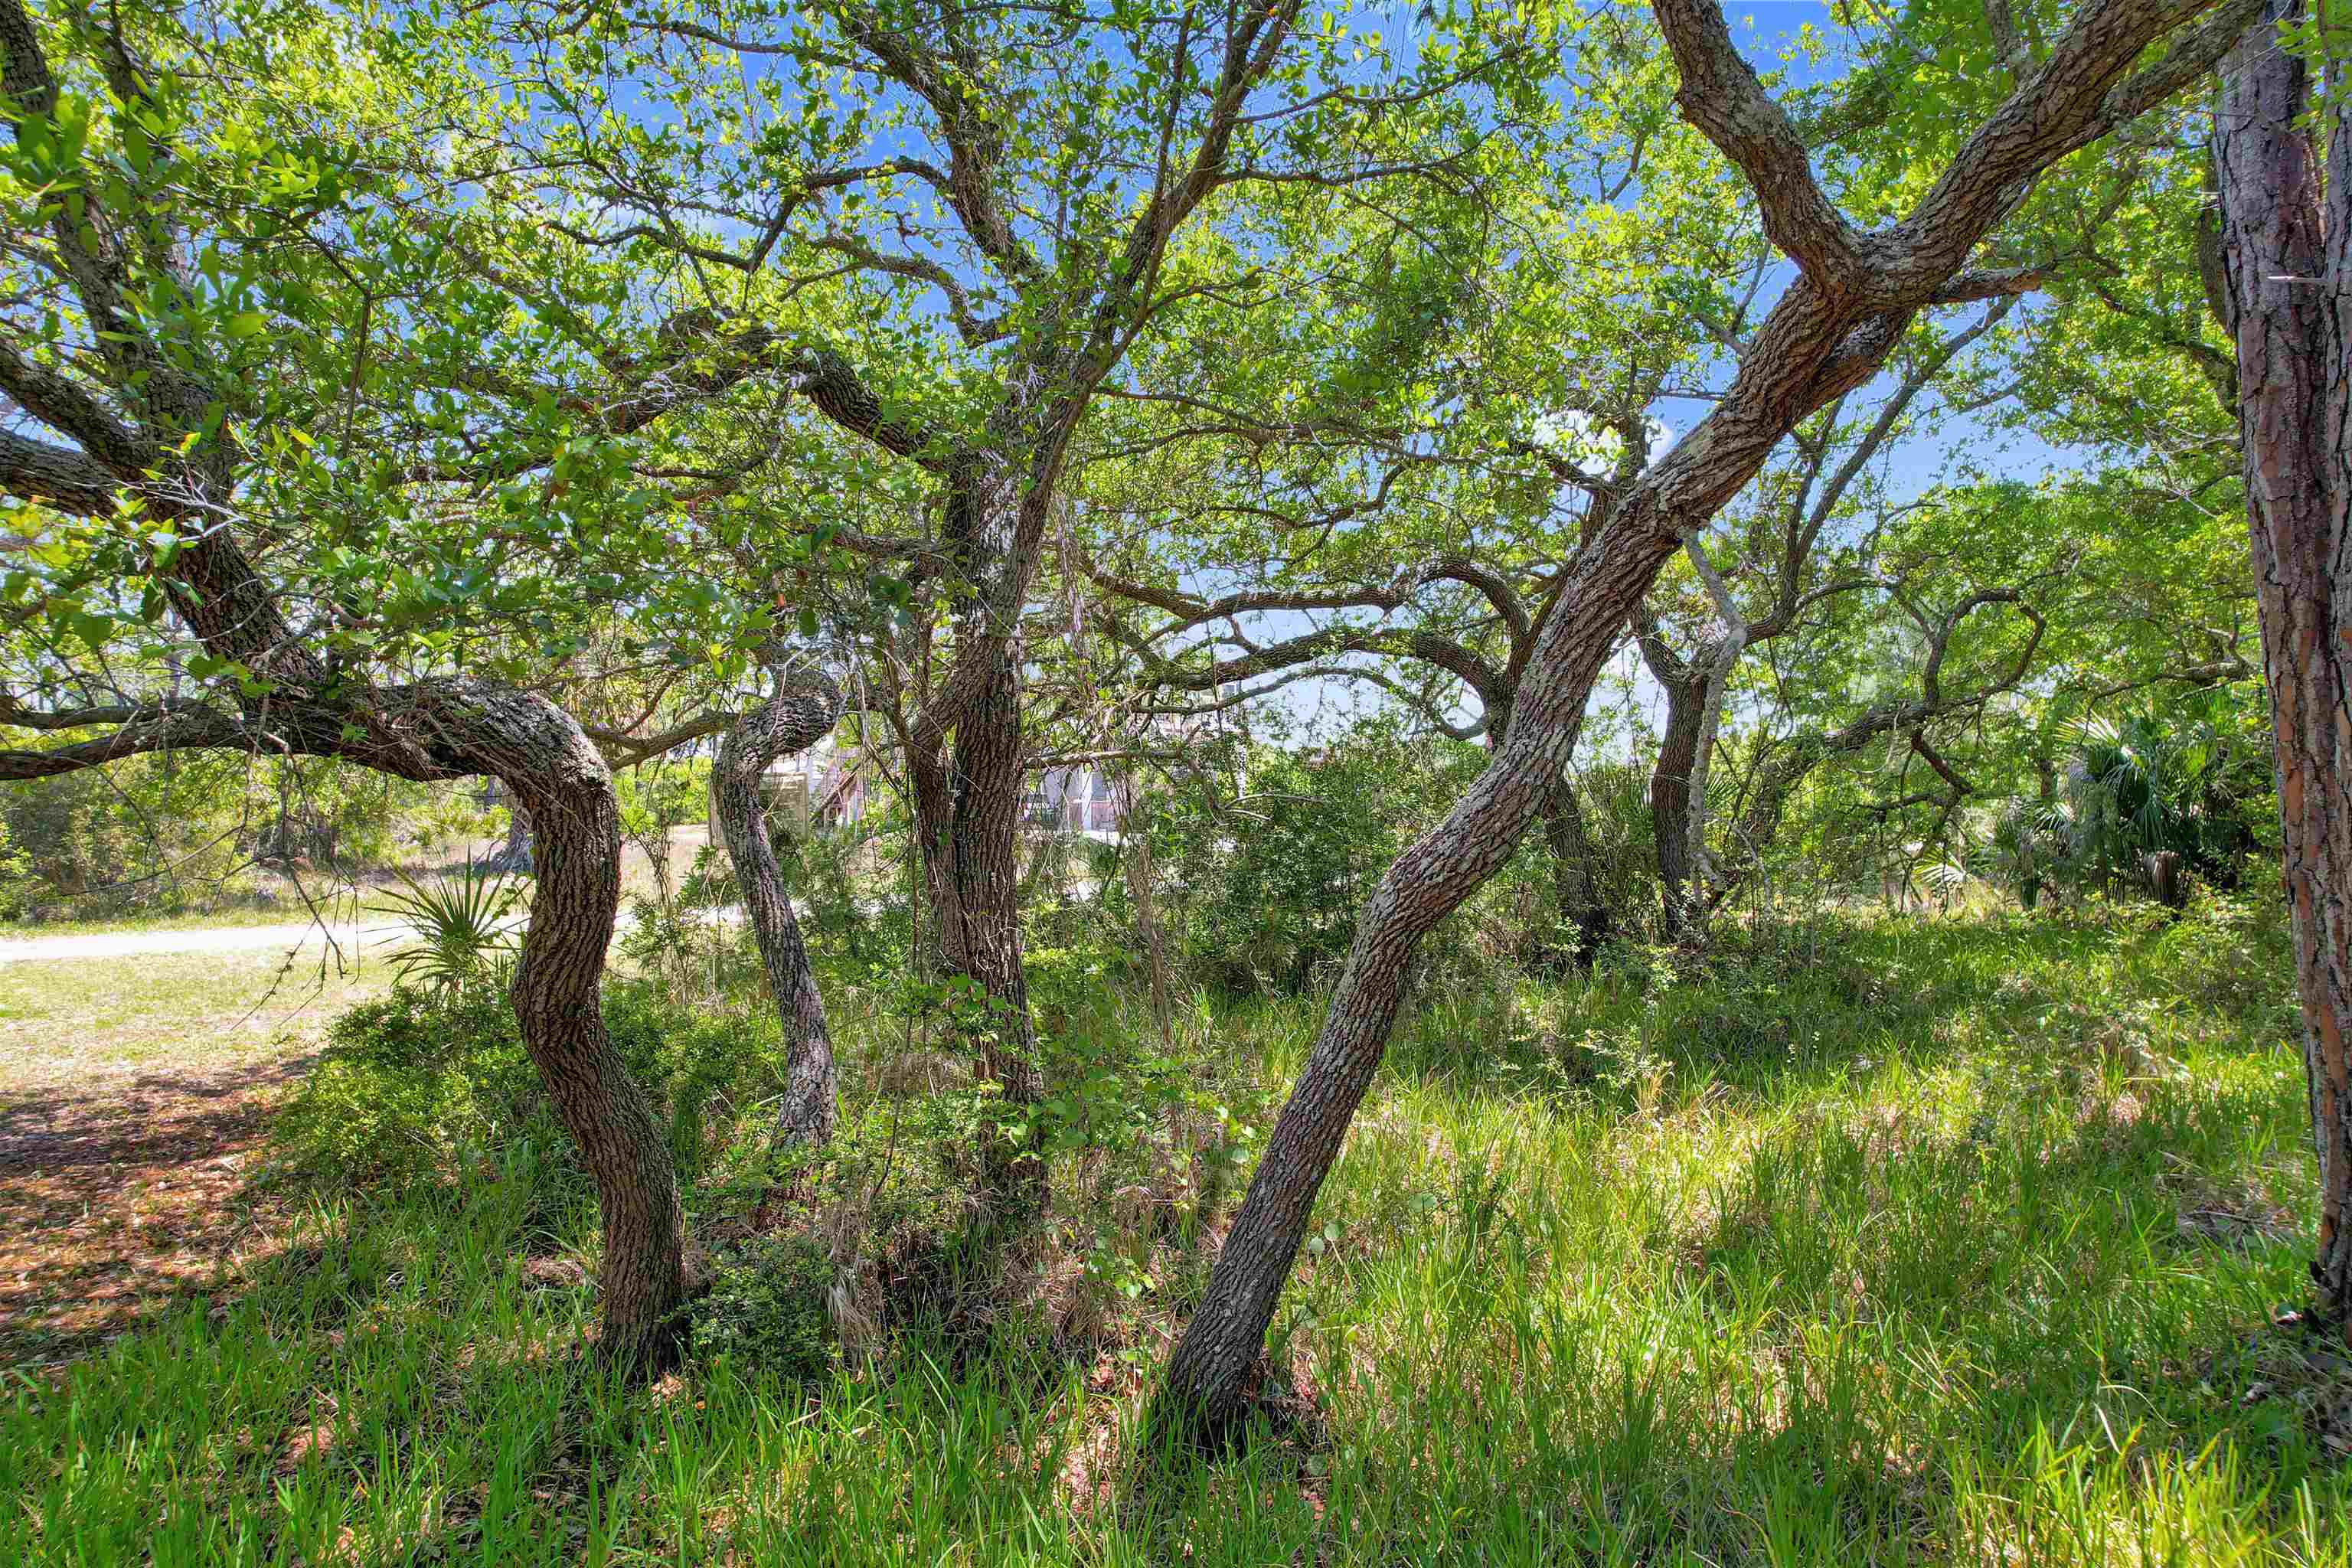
point(461, 930)
point(416, 1086)
point(1265, 889)
point(2231, 953)
point(409, 1086)
point(768, 1309)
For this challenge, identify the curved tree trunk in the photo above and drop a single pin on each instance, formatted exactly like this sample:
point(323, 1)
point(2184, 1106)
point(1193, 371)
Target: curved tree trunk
point(804, 711)
point(553, 771)
point(301, 704)
point(1830, 332)
point(2287, 276)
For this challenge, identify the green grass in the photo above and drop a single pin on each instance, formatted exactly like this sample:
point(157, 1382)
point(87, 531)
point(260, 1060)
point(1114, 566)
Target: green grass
point(67, 1022)
point(1938, 1243)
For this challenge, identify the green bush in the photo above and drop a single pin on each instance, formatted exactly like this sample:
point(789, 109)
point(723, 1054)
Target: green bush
point(410, 1086)
point(418, 1086)
point(766, 1310)
point(1264, 888)
point(2233, 952)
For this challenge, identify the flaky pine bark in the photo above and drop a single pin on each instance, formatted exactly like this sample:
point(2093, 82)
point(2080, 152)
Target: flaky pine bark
point(806, 705)
point(1830, 332)
point(2287, 235)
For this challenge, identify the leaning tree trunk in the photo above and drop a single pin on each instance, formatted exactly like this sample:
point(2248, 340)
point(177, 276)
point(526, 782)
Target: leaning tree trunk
point(2287, 275)
point(803, 712)
point(1211, 1376)
point(1828, 333)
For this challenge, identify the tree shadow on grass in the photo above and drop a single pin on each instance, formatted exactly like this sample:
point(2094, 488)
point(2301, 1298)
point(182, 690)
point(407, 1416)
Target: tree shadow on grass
point(1764, 1013)
point(125, 1198)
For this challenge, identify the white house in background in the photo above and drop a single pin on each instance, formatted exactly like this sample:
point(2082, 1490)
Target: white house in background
point(828, 785)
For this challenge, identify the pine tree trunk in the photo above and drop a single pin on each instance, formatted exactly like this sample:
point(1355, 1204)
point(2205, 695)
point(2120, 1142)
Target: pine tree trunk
point(804, 711)
point(2287, 274)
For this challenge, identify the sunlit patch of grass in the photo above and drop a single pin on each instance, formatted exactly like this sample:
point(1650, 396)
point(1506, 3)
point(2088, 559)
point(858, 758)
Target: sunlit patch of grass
point(69, 1021)
point(1864, 1247)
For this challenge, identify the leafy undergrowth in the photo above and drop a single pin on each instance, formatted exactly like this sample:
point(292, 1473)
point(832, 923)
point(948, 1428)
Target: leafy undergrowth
point(1866, 1243)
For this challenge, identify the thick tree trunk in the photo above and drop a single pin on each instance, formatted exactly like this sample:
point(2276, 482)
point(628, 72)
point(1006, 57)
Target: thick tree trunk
point(965, 765)
point(804, 711)
point(555, 773)
point(2288, 294)
point(973, 847)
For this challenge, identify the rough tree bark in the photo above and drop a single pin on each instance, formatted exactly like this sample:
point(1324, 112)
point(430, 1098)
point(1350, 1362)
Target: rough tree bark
point(433, 732)
point(139, 438)
point(1670, 777)
point(1830, 332)
point(965, 770)
point(2287, 235)
point(555, 773)
point(805, 707)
